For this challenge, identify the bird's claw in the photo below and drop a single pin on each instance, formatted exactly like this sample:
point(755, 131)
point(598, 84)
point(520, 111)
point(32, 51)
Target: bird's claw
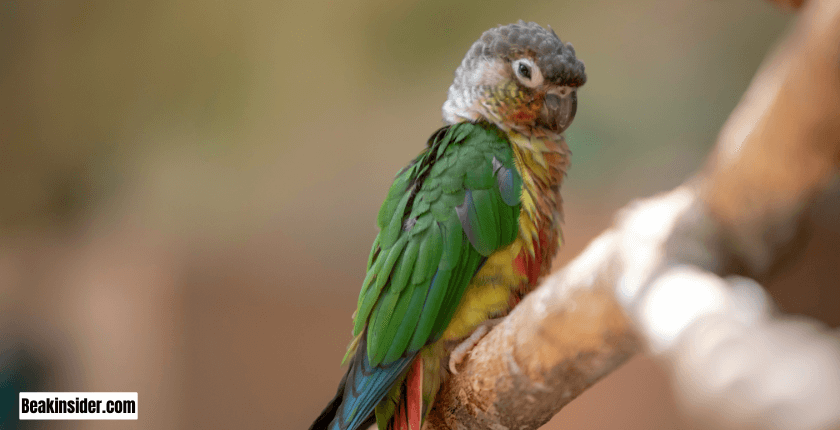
point(460, 352)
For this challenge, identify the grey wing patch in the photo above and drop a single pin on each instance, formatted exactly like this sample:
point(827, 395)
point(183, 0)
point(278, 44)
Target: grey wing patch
point(506, 183)
point(463, 215)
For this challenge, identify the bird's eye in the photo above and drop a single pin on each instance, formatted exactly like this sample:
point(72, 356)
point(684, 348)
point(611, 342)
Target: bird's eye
point(524, 71)
point(527, 72)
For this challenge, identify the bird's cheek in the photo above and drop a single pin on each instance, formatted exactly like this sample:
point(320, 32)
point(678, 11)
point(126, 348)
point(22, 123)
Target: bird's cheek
point(523, 114)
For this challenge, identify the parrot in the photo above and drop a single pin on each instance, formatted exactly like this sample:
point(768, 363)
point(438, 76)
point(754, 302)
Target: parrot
point(468, 228)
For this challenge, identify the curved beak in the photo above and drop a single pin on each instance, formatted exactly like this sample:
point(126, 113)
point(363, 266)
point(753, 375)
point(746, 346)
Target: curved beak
point(558, 112)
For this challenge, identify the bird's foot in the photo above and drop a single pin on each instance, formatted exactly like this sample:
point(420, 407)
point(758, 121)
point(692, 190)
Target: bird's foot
point(460, 352)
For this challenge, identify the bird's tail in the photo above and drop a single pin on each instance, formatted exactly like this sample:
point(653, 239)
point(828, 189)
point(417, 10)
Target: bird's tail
point(360, 390)
point(408, 411)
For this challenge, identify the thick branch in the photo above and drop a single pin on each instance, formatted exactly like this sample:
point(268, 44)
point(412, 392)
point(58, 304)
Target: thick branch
point(659, 266)
point(781, 145)
point(558, 343)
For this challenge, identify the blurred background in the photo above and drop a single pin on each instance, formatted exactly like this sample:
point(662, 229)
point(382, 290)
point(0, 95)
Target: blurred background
point(188, 188)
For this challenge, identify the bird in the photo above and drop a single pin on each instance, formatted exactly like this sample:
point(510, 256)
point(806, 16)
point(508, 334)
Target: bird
point(467, 229)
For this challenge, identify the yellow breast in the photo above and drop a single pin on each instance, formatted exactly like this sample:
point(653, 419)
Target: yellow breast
point(541, 165)
point(488, 295)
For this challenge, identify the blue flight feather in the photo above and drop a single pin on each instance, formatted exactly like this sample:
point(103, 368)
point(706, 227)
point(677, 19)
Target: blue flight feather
point(366, 386)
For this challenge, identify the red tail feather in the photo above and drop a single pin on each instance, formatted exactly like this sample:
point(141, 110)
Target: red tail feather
point(414, 396)
point(399, 417)
point(409, 409)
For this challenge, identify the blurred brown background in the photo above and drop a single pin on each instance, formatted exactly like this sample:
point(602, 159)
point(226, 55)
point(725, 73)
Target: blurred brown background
point(188, 188)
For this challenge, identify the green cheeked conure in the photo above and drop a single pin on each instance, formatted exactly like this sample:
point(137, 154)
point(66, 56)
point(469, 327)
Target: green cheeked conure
point(468, 227)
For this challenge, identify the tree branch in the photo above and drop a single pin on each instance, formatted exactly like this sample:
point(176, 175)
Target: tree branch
point(540, 358)
point(654, 278)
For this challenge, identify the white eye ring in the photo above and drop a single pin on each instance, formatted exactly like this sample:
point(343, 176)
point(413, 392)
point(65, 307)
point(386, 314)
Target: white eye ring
point(524, 67)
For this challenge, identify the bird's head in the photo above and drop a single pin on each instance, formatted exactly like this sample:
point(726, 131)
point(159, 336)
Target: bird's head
point(520, 77)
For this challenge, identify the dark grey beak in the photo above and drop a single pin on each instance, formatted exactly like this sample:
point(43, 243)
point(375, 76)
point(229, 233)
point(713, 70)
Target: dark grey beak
point(558, 112)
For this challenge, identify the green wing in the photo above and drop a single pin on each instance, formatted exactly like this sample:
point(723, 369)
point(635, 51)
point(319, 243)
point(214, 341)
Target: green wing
point(452, 207)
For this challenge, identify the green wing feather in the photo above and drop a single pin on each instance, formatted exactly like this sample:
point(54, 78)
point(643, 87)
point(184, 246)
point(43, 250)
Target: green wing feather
point(456, 204)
